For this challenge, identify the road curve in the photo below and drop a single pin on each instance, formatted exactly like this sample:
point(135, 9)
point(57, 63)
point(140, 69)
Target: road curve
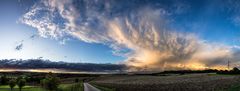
point(89, 87)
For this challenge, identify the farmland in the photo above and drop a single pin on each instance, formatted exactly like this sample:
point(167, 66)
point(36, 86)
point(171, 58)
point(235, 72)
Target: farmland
point(128, 82)
point(190, 82)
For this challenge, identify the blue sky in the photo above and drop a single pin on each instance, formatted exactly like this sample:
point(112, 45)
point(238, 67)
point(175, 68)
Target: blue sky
point(12, 33)
point(116, 31)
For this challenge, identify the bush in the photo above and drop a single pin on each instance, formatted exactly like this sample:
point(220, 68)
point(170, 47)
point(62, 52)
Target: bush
point(50, 82)
point(76, 80)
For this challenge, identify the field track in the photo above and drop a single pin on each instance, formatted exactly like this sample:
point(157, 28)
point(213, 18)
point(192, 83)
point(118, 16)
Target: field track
point(89, 87)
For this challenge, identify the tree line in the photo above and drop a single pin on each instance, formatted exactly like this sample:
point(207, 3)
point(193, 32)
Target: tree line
point(50, 82)
point(12, 82)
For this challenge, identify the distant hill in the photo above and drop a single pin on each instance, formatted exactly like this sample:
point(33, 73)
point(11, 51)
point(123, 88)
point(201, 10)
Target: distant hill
point(42, 64)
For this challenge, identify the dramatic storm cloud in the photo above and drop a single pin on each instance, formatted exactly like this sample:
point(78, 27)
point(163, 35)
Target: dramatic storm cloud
point(138, 30)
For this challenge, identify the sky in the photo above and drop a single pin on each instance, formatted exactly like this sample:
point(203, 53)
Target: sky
point(13, 33)
point(151, 34)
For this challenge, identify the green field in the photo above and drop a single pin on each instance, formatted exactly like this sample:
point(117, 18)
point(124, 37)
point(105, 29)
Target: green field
point(26, 88)
point(103, 88)
point(71, 87)
point(62, 87)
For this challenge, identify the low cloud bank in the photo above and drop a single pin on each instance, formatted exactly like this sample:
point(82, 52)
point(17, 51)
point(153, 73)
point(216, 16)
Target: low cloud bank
point(59, 66)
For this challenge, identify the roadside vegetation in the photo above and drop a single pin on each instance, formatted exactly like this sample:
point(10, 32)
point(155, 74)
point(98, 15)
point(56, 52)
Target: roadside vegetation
point(72, 87)
point(103, 88)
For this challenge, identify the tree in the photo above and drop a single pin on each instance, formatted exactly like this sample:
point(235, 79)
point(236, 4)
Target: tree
point(50, 82)
point(21, 83)
point(235, 69)
point(76, 80)
point(43, 83)
point(12, 84)
point(4, 80)
point(53, 83)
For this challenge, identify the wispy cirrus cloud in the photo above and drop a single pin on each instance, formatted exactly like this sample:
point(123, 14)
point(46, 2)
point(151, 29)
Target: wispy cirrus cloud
point(143, 30)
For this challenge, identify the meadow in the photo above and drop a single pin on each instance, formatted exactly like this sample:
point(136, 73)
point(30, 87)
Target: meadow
point(62, 87)
point(26, 88)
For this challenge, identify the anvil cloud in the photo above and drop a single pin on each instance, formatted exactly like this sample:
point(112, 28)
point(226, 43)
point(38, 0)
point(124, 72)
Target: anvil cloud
point(143, 33)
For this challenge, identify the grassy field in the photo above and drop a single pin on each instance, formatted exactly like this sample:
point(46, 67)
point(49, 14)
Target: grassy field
point(103, 88)
point(26, 88)
point(62, 87)
point(188, 82)
point(71, 87)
